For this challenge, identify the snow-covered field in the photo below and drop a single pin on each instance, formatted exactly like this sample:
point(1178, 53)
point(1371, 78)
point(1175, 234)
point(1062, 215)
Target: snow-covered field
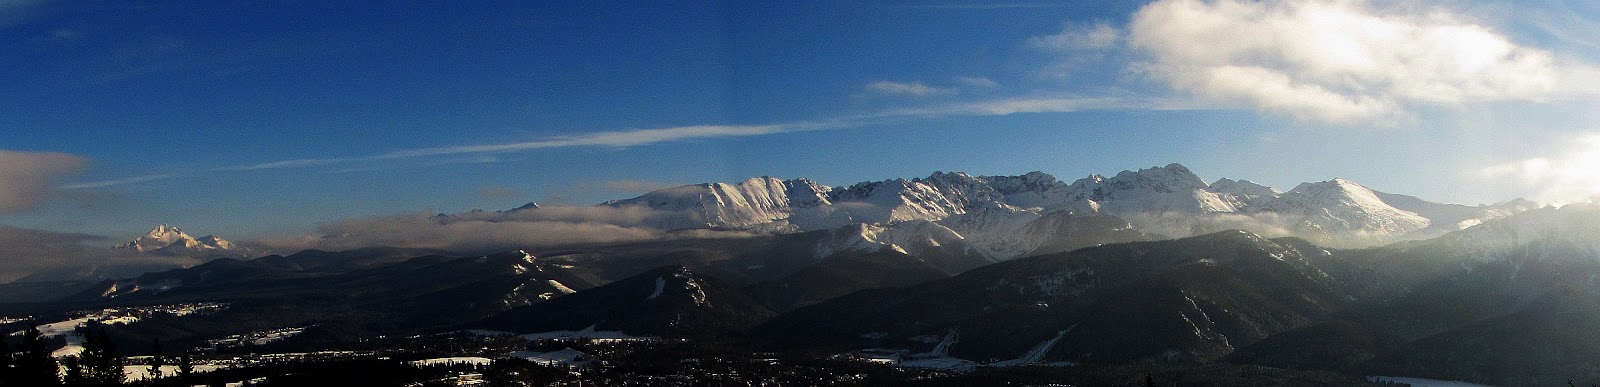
point(135, 373)
point(111, 316)
point(459, 360)
point(564, 357)
point(1420, 382)
point(256, 338)
point(585, 333)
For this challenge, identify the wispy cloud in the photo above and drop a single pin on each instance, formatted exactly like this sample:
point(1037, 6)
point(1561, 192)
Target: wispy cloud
point(908, 89)
point(117, 182)
point(1066, 104)
point(1074, 37)
point(623, 138)
point(982, 6)
point(978, 82)
point(642, 137)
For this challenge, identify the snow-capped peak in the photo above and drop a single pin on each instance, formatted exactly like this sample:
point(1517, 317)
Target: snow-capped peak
point(1171, 198)
point(172, 240)
point(1243, 188)
point(1339, 204)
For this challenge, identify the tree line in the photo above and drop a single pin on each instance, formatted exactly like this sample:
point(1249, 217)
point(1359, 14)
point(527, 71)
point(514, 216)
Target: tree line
point(31, 362)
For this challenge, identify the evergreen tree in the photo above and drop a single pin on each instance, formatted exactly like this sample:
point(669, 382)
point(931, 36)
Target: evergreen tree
point(34, 366)
point(5, 362)
point(102, 366)
point(74, 372)
point(185, 368)
point(156, 360)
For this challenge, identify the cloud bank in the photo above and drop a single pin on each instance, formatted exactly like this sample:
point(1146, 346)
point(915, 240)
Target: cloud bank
point(485, 231)
point(29, 179)
point(1571, 175)
point(43, 253)
point(1341, 61)
point(910, 89)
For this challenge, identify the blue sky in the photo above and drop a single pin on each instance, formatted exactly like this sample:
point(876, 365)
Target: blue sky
point(268, 119)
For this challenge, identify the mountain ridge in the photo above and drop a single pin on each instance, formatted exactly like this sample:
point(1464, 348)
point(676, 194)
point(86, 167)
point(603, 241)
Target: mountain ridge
point(1170, 200)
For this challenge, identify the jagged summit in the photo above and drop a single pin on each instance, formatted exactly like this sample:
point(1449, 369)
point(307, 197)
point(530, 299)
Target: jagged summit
point(168, 240)
point(1169, 200)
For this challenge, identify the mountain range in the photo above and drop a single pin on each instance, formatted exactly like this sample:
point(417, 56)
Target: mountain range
point(1148, 268)
point(994, 213)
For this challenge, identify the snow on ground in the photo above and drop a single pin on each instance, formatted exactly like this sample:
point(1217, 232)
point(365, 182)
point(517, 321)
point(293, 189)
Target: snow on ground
point(489, 333)
point(661, 285)
point(133, 373)
point(256, 338)
point(940, 363)
point(564, 357)
point(560, 287)
point(585, 333)
point(65, 329)
point(458, 360)
point(73, 348)
point(1035, 354)
point(1420, 382)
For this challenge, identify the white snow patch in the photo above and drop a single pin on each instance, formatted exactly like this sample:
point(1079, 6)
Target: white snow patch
point(134, 373)
point(661, 285)
point(1037, 353)
point(1420, 382)
point(560, 287)
point(940, 363)
point(488, 333)
point(585, 333)
point(564, 357)
point(458, 360)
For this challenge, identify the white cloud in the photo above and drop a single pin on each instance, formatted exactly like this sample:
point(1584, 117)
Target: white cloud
point(978, 82)
point(29, 179)
point(1341, 60)
point(28, 251)
point(123, 181)
point(1571, 175)
point(1074, 37)
point(911, 89)
point(621, 138)
point(549, 226)
point(1001, 107)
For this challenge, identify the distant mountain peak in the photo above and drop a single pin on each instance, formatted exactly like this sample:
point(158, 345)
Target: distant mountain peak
point(170, 240)
point(1166, 200)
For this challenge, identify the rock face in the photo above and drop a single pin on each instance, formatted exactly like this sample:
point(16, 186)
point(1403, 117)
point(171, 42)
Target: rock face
point(996, 213)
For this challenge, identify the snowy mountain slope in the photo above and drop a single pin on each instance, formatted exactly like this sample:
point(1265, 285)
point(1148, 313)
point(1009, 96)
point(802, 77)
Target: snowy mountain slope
point(1340, 208)
point(995, 214)
point(169, 240)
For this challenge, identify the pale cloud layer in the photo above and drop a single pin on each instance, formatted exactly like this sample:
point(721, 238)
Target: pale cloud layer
point(909, 89)
point(978, 82)
point(1075, 37)
point(1342, 61)
point(28, 251)
point(484, 231)
point(29, 179)
point(1570, 175)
